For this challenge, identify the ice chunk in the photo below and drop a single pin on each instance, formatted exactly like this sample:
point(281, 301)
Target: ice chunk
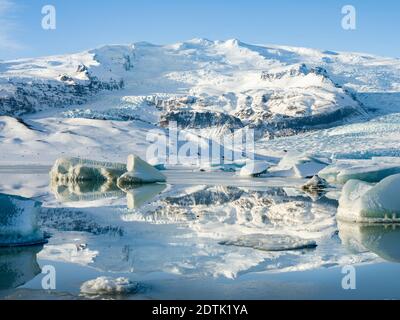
point(271, 242)
point(364, 202)
point(76, 169)
point(381, 239)
point(316, 184)
point(373, 170)
point(139, 172)
point(254, 169)
point(301, 165)
point(109, 286)
point(18, 266)
point(19, 221)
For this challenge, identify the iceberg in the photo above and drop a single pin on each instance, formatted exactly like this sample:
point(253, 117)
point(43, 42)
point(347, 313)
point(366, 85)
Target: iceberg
point(315, 184)
point(373, 170)
point(271, 242)
point(381, 239)
point(19, 221)
point(254, 169)
point(365, 202)
point(139, 172)
point(109, 286)
point(301, 165)
point(67, 170)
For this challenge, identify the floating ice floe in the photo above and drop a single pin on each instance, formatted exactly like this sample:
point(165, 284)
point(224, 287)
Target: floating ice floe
point(109, 286)
point(365, 202)
point(271, 242)
point(139, 172)
point(381, 239)
point(19, 221)
point(373, 170)
point(254, 169)
point(68, 170)
point(300, 165)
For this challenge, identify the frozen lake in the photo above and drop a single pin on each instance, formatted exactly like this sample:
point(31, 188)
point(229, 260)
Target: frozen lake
point(200, 236)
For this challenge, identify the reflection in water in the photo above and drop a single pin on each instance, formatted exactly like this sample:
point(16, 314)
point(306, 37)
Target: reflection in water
point(141, 195)
point(18, 266)
point(381, 239)
point(96, 191)
point(85, 191)
point(19, 221)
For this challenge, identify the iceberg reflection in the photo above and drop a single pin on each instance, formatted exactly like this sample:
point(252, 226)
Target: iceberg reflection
point(18, 266)
point(381, 239)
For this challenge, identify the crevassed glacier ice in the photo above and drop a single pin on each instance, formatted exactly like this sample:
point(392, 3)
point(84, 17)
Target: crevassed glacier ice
point(364, 202)
point(19, 221)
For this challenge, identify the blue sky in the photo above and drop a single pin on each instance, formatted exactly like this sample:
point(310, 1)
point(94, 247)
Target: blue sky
point(84, 24)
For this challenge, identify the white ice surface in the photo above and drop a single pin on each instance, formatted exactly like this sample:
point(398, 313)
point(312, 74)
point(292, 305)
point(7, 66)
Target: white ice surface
point(364, 202)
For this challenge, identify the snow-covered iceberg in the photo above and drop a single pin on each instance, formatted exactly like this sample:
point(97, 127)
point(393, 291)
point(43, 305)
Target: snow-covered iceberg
point(381, 239)
point(139, 172)
point(109, 286)
point(365, 202)
point(300, 165)
point(19, 221)
point(75, 169)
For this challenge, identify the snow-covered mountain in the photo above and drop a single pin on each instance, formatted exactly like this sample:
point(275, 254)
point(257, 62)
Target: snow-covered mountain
point(213, 86)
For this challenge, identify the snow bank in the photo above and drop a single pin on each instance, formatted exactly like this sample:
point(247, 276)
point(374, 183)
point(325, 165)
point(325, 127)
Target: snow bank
point(254, 169)
point(109, 286)
point(18, 221)
point(139, 172)
point(76, 169)
point(271, 242)
point(361, 201)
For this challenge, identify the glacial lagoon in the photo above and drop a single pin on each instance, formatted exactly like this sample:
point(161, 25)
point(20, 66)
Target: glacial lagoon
point(202, 235)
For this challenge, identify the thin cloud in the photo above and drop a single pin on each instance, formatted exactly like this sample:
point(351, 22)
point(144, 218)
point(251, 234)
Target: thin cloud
point(8, 26)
